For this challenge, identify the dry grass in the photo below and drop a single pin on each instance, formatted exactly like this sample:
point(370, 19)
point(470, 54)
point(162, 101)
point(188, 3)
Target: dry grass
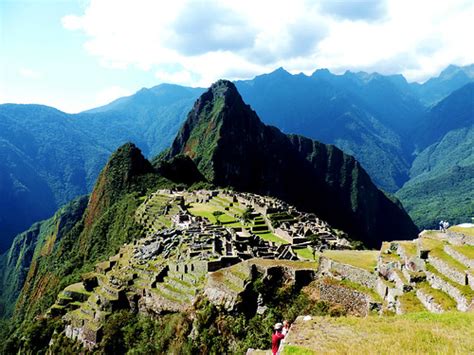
point(364, 259)
point(467, 250)
point(417, 333)
point(463, 230)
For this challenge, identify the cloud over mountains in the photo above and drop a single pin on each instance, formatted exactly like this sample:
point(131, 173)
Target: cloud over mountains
point(197, 42)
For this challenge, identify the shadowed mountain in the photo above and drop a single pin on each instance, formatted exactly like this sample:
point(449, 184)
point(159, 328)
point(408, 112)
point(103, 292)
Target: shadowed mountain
point(365, 115)
point(232, 147)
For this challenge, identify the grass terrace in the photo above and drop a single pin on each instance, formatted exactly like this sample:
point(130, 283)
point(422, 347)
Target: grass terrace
point(464, 230)
point(364, 259)
point(439, 296)
point(306, 253)
point(270, 237)
point(410, 303)
point(205, 210)
point(294, 264)
point(465, 290)
point(466, 250)
point(409, 248)
point(438, 252)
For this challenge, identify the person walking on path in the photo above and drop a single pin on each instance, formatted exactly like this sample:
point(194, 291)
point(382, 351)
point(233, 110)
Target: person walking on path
point(277, 336)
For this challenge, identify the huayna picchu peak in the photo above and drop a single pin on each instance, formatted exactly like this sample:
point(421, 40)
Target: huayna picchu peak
point(232, 147)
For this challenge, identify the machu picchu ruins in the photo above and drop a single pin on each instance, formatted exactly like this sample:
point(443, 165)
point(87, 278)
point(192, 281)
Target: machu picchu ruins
point(189, 251)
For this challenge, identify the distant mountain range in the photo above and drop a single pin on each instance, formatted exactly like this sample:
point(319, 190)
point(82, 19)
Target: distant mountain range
point(394, 128)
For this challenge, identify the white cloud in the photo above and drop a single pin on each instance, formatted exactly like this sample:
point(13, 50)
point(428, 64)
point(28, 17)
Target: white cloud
point(28, 73)
point(110, 94)
point(238, 39)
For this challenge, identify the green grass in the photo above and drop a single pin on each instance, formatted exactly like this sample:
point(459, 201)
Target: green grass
point(429, 242)
point(410, 303)
point(448, 259)
point(269, 236)
point(306, 253)
point(443, 299)
point(409, 248)
point(387, 254)
point(415, 333)
point(364, 259)
point(292, 264)
point(206, 210)
point(467, 231)
point(297, 350)
point(466, 250)
point(465, 290)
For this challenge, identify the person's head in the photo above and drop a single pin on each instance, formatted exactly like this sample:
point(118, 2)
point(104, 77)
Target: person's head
point(278, 327)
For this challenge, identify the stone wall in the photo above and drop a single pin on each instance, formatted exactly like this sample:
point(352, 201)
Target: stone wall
point(438, 283)
point(449, 272)
point(459, 256)
point(354, 302)
point(283, 234)
point(459, 238)
point(338, 270)
point(429, 302)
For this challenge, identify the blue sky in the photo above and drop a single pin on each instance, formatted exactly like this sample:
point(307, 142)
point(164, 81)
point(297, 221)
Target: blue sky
point(79, 54)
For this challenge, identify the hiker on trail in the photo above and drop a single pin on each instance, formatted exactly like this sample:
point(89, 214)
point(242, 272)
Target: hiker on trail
point(445, 226)
point(441, 223)
point(286, 327)
point(277, 336)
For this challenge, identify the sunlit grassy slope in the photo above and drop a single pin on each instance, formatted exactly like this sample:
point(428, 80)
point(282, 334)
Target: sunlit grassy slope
point(416, 333)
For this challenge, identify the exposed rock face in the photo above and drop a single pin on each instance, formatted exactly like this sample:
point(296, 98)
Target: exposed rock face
point(232, 147)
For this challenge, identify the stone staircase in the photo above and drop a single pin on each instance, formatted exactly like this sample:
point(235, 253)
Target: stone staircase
point(177, 287)
point(433, 268)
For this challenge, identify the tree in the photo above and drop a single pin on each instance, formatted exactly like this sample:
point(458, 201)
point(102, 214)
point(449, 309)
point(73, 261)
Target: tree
point(315, 244)
point(217, 214)
point(247, 215)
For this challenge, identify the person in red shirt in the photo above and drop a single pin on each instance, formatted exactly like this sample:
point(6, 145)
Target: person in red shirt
point(277, 336)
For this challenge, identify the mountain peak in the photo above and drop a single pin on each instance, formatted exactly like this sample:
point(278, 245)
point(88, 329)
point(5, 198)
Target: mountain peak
point(125, 165)
point(231, 147)
point(220, 109)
